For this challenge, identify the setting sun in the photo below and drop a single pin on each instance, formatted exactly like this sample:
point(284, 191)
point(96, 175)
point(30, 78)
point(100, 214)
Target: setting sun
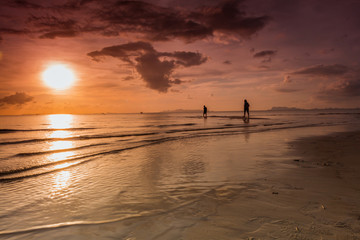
point(58, 77)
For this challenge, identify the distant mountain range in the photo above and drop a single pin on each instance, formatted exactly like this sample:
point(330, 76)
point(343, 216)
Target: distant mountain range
point(286, 109)
point(182, 110)
point(303, 109)
point(272, 109)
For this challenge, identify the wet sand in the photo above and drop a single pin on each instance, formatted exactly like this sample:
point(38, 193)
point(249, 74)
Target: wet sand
point(317, 198)
point(309, 191)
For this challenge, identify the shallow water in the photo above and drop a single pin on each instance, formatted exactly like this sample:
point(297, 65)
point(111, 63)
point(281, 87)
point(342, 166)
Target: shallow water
point(64, 171)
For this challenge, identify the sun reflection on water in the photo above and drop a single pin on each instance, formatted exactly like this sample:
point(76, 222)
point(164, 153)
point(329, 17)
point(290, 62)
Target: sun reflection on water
point(55, 157)
point(60, 121)
point(61, 181)
point(63, 151)
point(59, 145)
point(60, 134)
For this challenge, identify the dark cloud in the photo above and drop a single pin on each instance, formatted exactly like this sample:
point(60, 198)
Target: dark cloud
point(156, 23)
point(52, 27)
point(155, 67)
point(128, 78)
point(23, 4)
point(10, 31)
point(286, 90)
point(76, 4)
point(48, 5)
point(153, 22)
point(186, 59)
point(227, 18)
point(155, 72)
point(18, 98)
point(52, 22)
point(324, 70)
point(266, 53)
point(227, 62)
point(177, 81)
point(124, 51)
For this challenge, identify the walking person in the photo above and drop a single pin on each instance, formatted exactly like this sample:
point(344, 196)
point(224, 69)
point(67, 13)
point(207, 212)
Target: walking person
point(205, 112)
point(246, 109)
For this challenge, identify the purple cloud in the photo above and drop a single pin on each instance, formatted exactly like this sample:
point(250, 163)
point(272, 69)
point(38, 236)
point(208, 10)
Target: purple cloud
point(227, 18)
point(324, 70)
point(266, 53)
point(151, 21)
point(286, 90)
point(154, 69)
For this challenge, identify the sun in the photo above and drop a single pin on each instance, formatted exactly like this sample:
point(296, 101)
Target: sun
point(58, 77)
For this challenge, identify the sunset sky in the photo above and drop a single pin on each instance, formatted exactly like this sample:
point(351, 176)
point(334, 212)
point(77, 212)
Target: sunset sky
point(132, 56)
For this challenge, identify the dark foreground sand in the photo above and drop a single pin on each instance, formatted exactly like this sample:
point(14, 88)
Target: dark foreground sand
point(317, 199)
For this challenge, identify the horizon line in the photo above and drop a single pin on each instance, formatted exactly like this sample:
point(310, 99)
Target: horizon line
point(187, 110)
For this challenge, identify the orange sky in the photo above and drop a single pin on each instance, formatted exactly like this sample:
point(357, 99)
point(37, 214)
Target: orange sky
point(132, 56)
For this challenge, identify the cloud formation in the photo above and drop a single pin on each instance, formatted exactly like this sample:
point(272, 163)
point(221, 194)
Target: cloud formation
point(342, 81)
point(342, 88)
point(227, 18)
point(23, 4)
point(324, 70)
point(286, 90)
point(266, 53)
point(11, 31)
point(155, 67)
point(18, 98)
point(151, 21)
point(52, 26)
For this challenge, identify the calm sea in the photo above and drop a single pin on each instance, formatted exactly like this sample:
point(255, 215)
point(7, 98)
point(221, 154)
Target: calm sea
point(66, 170)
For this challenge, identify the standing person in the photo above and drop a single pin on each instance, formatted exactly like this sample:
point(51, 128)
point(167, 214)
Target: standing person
point(246, 109)
point(205, 112)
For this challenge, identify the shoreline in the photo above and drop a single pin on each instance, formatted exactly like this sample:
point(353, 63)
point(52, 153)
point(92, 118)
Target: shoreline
point(307, 191)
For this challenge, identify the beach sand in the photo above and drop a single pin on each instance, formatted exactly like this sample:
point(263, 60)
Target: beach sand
point(317, 199)
point(311, 191)
point(314, 195)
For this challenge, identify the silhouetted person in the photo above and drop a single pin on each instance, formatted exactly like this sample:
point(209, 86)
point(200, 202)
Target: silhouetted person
point(246, 109)
point(205, 112)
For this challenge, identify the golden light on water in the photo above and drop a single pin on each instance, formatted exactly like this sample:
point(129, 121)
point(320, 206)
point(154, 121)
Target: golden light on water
point(60, 121)
point(58, 145)
point(60, 134)
point(55, 157)
point(58, 77)
point(61, 181)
